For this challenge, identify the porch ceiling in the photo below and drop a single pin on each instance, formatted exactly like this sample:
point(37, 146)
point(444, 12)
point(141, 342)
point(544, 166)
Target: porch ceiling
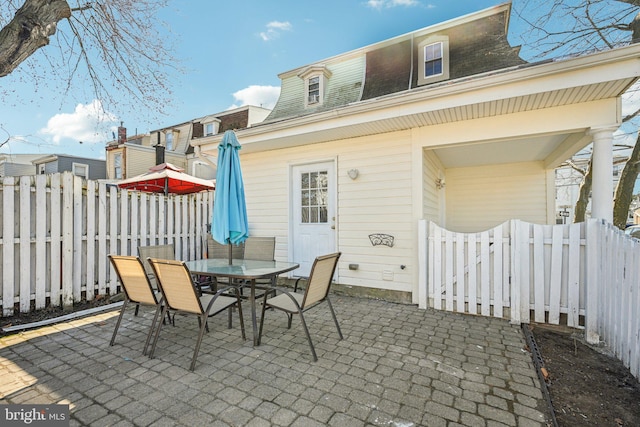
point(512, 151)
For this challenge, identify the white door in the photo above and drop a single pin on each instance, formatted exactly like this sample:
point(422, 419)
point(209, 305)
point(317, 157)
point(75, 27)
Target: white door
point(313, 213)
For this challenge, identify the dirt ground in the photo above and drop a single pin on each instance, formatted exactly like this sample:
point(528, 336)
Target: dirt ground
point(587, 387)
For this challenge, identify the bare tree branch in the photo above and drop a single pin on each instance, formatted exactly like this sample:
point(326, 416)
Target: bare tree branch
point(115, 49)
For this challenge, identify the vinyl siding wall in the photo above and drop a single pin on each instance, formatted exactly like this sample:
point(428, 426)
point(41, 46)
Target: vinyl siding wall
point(378, 201)
point(479, 198)
point(433, 209)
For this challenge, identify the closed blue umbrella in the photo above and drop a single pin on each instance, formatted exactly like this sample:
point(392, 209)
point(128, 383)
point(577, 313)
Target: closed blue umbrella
point(229, 223)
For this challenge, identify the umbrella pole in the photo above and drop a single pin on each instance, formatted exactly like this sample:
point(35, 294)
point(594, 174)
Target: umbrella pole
point(230, 260)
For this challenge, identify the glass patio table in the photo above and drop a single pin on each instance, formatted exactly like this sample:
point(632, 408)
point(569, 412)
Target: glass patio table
point(247, 270)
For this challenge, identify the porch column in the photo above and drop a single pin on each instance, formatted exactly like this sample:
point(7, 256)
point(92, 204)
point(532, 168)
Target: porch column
point(602, 184)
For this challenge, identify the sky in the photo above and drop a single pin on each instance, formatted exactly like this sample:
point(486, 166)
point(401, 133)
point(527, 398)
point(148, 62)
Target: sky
point(232, 53)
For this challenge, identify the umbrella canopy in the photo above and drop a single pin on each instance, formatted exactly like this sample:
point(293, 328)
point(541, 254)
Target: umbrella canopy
point(229, 221)
point(167, 179)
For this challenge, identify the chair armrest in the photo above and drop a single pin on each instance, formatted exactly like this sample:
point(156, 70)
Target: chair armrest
point(295, 287)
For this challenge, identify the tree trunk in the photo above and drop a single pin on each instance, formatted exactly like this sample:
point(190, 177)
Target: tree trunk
point(624, 190)
point(583, 199)
point(29, 30)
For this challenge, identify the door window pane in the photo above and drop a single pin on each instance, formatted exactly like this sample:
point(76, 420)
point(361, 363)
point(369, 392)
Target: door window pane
point(314, 195)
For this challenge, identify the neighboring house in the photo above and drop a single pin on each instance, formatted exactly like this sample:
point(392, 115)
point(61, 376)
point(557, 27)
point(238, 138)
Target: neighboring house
point(568, 181)
point(445, 123)
point(131, 156)
point(85, 167)
point(17, 164)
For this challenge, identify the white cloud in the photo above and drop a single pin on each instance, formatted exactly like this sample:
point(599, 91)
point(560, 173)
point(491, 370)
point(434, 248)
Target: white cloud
point(274, 28)
point(261, 96)
point(88, 123)
point(379, 4)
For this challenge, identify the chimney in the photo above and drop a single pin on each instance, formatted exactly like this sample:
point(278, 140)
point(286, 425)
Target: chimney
point(122, 134)
point(159, 154)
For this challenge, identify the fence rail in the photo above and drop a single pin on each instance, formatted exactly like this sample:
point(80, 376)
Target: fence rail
point(57, 230)
point(584, 275)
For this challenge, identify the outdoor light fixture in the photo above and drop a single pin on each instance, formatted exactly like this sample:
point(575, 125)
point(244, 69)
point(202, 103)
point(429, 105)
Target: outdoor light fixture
point(440, 183)
point(353, 173)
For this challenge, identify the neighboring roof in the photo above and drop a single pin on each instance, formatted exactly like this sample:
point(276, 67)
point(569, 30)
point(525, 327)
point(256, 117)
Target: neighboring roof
point(53, 157)
point(19, 158)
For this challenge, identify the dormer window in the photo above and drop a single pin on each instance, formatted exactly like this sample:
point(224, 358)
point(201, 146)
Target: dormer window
point(433, 60)
point(314, 90)
point(208, 129)
point(433, 54)
point(316, 79)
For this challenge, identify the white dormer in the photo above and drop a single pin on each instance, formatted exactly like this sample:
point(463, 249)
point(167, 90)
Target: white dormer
point(316, 79)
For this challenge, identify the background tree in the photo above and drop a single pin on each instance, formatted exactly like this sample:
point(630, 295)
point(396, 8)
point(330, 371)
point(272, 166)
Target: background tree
point(112, 47)
point(573, 27)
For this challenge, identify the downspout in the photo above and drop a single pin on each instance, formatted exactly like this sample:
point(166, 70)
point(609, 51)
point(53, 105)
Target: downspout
point(411, 68)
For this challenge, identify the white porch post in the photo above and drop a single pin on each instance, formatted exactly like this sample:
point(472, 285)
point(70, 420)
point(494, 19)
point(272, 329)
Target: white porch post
point(602, 184)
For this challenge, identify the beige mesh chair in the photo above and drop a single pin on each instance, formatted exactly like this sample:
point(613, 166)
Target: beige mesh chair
point(180, 295)
point(218, 250)
point(260, 248)
point(156, 251)
point(317, 291)
point(137, 290)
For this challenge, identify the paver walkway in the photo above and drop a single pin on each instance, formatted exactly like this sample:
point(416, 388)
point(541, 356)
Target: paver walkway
point(397, 366)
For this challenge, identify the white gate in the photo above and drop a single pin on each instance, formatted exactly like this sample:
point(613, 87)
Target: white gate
point(584, 275)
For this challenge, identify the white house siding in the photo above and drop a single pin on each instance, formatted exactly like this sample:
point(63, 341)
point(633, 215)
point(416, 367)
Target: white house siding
point(481, 197)
point(432, 169)
point(378, 201)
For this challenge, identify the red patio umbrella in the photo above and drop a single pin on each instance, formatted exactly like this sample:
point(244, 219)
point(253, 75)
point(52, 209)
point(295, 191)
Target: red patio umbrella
point(167, 179)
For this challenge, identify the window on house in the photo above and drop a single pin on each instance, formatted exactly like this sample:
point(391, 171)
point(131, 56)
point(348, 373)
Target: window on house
point(168, 139)
point(41, 169)
point(208, 129)
point(117, 166)
point(314, 90)
point(79, 169)
point(433, 59)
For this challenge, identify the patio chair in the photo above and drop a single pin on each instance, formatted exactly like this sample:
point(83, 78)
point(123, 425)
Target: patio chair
point(261, 249)
point(180, 295)
point(137, 290)
point(218, 250)
point(316, 292)
point(156, 251)
point(164, 252)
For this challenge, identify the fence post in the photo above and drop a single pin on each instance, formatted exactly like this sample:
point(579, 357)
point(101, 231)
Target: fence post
point(516, 272)
point(592, 281)
point(422, 264)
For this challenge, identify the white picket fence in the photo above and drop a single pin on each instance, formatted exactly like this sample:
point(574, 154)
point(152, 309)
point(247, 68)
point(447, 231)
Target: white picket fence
point(584, 275)
point(57, 230)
